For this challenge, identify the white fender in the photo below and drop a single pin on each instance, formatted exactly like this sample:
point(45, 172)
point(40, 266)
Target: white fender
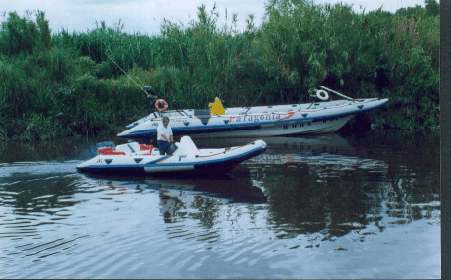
point(322, 95)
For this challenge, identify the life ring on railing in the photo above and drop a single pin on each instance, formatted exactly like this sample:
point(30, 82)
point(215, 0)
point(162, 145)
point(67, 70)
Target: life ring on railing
point(322, 95)
point(161, 105)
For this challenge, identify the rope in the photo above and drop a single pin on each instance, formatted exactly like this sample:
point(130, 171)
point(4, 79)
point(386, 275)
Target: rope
point(225, 150)
point(337, 93)
point(255, 101)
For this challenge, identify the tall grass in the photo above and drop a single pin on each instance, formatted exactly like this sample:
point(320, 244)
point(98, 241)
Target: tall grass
point(71, 83)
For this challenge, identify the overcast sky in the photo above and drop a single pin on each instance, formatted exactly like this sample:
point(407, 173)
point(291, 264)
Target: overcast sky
point(145, 16)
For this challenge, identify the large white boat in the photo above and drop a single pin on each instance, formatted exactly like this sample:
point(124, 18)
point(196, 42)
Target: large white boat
point(306, 118)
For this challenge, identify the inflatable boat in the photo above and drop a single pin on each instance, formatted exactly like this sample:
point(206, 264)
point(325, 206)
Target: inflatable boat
point(259, 121)
point(140, 159)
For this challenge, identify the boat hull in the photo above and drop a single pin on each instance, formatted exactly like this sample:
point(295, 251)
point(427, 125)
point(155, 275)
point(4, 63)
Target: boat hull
point(288, 128)
point(204, 163)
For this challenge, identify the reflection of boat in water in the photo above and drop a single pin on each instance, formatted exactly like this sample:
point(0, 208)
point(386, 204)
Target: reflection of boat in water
point(179, 196)
point(176, 196)
point(319, 141)
point(321, 160)
point(322, 151)
point(230, 188)
point(316, 117)
point(140, 159)
point(323, 143)
point(227, 187)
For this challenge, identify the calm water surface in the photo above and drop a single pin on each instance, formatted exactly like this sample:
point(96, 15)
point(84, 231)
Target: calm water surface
point(311, 207)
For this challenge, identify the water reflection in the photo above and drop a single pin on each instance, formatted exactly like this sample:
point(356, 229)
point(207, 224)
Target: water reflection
point(170, 204)
point(297, 203)
point(335, 194)
point(180, 196)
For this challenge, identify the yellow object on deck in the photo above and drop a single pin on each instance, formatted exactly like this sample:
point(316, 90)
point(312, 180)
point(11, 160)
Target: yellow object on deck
point(216, 108)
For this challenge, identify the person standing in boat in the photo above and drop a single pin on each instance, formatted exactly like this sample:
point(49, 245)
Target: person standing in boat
point(164, 136)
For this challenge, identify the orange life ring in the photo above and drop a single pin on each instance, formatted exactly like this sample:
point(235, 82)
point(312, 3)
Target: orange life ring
point(161, 105)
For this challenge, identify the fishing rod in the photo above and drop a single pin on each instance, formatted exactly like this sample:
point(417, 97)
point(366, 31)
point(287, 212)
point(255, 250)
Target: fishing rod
point(148, 90)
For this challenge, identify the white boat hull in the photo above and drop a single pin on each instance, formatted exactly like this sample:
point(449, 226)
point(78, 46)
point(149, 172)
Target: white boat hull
point(129, 160)
point(322, 117)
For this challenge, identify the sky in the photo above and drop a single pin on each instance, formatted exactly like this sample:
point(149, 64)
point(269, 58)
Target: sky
point(146, 16)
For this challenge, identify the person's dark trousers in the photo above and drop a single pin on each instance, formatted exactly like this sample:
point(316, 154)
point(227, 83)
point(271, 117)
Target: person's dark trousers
point(163, 146)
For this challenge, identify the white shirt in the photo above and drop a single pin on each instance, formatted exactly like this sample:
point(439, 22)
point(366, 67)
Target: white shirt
point(166, 131)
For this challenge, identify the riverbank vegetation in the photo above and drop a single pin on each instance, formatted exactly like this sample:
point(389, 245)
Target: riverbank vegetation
point(72, 83)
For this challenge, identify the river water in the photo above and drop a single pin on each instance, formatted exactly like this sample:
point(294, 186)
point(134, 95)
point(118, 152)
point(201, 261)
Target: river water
point(309, 207)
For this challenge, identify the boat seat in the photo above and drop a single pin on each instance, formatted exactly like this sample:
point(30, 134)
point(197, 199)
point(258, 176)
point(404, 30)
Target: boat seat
point(186, 146)
point(145, 149)
point(216, 108)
